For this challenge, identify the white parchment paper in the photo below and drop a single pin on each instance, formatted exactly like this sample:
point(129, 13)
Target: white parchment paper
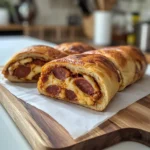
point(75, 119)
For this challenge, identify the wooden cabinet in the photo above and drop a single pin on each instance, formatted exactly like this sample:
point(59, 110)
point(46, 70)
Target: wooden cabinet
point(55, 34)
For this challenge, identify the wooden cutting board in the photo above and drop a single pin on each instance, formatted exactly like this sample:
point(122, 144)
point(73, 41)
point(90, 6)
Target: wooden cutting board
point(44, 133)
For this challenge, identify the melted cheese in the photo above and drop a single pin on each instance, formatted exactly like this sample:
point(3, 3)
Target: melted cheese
point(12, 68)
point(34, 71)
point(16, 64)
point(24, 61)
point(69, 84)
point(34, 68)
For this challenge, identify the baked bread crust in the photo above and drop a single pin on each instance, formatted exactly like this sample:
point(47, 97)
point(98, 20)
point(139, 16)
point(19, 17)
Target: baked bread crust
point(122, 61)
point(139, 59)
point(92, 79)
point(74, 48)
point(38, 52)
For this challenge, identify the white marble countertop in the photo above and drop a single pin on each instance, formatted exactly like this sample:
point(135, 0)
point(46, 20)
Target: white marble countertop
point(9, 45)
point(10, 136)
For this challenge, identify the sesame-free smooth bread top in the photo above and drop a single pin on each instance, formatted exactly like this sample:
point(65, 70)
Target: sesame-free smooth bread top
point(26, 65)
point(74, 48)
point(92, 79)
point(139, 59)
point(129, 60)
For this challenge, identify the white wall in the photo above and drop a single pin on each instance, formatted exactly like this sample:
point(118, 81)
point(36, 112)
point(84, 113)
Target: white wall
point(54, 12)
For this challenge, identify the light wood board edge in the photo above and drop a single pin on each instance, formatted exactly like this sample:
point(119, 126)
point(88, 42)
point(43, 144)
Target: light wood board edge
point(35, 136)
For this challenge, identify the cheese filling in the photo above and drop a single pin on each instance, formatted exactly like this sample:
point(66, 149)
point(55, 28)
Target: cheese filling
point(16, 64)
point(69, 84)
point(35, 69)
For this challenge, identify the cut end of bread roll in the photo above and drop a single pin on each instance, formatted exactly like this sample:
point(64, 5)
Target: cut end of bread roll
point(26, 65)
point(88, 80)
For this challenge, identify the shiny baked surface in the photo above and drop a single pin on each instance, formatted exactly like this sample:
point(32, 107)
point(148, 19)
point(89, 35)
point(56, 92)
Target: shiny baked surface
point(74, 47)
point(88, 80)
point(25, 66)
point(92, 79)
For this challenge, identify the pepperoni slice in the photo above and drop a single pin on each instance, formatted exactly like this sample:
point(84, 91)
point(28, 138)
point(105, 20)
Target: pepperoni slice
point(61, 73)
point(21, 71)
point(84, 86)
point(70, 95)
point(38, 62)
point(36, 77)
point(53, 89)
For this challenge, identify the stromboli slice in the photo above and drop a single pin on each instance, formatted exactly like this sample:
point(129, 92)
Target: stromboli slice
point(122, 61)
point(87, 80)
point(74, 48)
point(26, 65)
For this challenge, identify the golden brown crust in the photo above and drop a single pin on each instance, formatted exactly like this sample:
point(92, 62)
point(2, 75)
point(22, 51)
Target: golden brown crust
point(93, 79)
point(46, 52)
point(41, 52)
point(138, 57)
point(82, 59)
point(129, 60)
point(122, 61)
point(74, 48)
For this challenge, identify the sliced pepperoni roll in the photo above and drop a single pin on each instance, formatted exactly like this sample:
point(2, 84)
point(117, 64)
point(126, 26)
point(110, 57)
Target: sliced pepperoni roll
point(129, 60)
point(74, 48)
point(91, 79)
point(26, 65)
point(84, 79)
point(122, 61)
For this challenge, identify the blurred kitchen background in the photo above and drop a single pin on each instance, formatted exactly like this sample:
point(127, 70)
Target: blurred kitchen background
point(98, 22)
